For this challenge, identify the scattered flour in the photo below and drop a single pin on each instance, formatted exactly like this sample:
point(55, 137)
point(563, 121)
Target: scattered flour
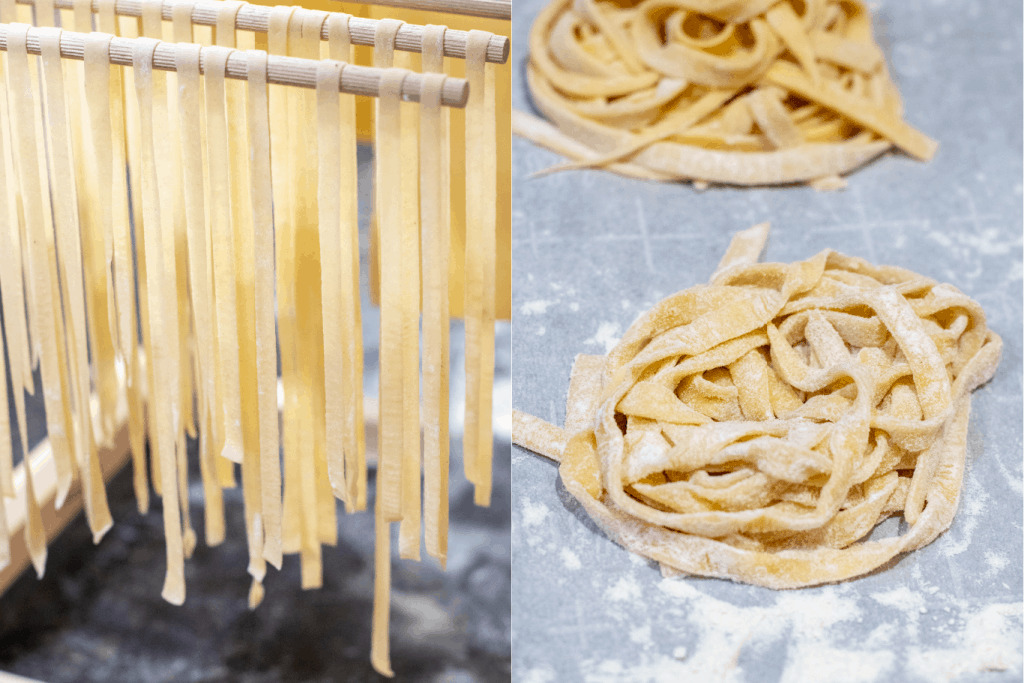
point(534, 514)
point(536, 307)
point(990, 641)
point(810, 629)
point(606, 337)
point(539, 675)
point(996, 563)
point(570, 560)
point(624, 589)
point(641, 635)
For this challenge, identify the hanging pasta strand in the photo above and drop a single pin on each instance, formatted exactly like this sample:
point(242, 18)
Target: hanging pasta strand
point(387, 150)
point(23, 109)
point(332, 288)
point(64, 200)
point(190, 104)
point(13, 296)
point(353, 435)
point(436, 224)
point(105, 113)
point(410, 528)
point(282, 149)
point(481, 188)
point(266, 345)
point(387, 211)
point(160, 239)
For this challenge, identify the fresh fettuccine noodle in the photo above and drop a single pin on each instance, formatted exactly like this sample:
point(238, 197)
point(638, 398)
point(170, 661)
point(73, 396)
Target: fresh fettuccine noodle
point(759, 427)
point(743, 93)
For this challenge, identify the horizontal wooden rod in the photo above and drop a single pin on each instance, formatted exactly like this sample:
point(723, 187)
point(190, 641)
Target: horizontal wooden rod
point(257, 18)
point(487, 9)
point(355, 80)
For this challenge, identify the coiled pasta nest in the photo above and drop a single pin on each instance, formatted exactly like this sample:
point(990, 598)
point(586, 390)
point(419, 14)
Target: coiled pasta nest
point(759, 427)
point(741, 92)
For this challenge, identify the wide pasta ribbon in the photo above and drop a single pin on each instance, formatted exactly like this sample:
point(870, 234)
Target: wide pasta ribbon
point(743, 93)
point(757, 428)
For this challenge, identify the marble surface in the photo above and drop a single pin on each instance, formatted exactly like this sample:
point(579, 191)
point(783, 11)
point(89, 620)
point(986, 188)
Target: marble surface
point(591, 251)
point(98, 615)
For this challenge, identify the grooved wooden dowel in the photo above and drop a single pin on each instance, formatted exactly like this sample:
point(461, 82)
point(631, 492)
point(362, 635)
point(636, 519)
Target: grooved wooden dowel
point(355, 80)
point(257, 18)
point(488, 9)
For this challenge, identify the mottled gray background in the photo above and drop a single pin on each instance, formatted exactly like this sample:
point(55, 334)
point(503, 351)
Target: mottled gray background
point(98, 615)
point(592, 250)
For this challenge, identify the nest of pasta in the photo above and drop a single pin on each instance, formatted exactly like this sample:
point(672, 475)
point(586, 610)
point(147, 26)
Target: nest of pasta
point(759, 427)
point(750, 92)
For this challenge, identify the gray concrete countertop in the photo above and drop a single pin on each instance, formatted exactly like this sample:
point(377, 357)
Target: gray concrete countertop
point(592, 250)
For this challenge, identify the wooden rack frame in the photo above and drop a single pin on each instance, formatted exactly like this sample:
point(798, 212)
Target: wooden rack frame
point(354, 80)
point(257, 18)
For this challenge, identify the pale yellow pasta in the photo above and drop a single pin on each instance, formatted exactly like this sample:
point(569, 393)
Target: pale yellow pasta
point(241, 244)
point(744, 93)
point(759, 427)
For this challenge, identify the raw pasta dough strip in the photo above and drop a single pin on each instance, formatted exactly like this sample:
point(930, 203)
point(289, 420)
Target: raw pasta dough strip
point(97, 239)
point(240, 216)
point(190, 109)
point(332, 297)
point(434, 193)
point(181, 32)
point(481, 189)
point(63, 197)
point(12, 288)
point(266, 343)
point(411, 527)
point(106, 115)
point(23, 110)
point(387, 151)
point(140, 411)
point(281, 150)
point(304, 41)
point(160, 238)
point(387, 210)
point(174, 254)
point(354, 435)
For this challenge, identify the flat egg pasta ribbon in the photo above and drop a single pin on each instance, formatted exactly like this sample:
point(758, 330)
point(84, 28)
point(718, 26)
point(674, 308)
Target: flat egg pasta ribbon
point(161, 240)
point(105, 104)
point(266, 342)
point(388, 161)
point(97, 235)
point(242, 255)
point(23, 104)
point(435, 189)
point(481, 188)
point(174, 254)
point(282, 148)
point(304, 41)
point(353, 432)
point(387, 205)
point(757, 428)
point(191, 120)
point(748, 94)
point(70, 255)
